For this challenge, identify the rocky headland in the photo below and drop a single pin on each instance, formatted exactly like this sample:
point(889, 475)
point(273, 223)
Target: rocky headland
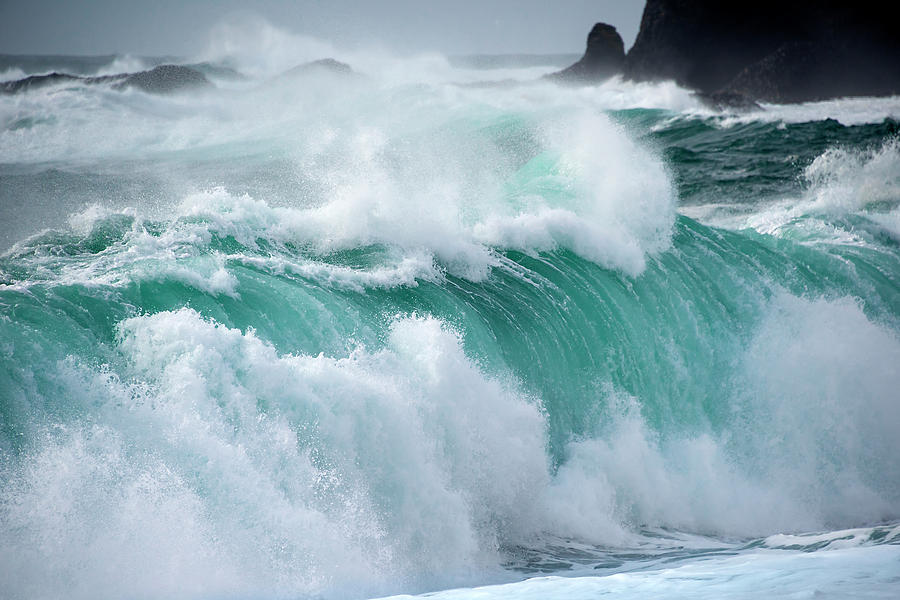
point(735, 54)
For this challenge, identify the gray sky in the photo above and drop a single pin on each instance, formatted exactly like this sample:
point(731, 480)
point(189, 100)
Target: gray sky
point(180, 27)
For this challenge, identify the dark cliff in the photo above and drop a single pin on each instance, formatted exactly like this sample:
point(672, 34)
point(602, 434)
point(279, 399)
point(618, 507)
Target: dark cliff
point(788, 51)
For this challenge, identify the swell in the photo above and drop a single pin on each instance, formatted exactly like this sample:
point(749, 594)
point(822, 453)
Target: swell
point(679, 339)
point(303, 428)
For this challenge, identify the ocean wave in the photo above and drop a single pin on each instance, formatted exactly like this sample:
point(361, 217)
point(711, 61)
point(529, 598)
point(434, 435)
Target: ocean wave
point(329, 336)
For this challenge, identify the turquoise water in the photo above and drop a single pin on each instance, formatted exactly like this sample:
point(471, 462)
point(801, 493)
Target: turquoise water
point(350, 337)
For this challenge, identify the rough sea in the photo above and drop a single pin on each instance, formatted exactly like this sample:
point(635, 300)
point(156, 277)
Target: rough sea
point(440, 326)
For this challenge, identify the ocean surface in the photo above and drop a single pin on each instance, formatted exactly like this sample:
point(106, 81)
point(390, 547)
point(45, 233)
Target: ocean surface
point(442, 327)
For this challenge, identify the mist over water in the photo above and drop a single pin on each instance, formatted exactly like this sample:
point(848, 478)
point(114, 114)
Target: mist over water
point(428, 324)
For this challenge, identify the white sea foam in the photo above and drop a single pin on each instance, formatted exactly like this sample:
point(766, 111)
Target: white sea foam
point(867, 573)
point(407, 467)
point(123, 64)
point(377, 161)
point(616, 213)
point(593, 197)
point(813, 406)
point(840, 183)
point(589, 192)
point(12, 74)
point(406, 272)
point(86, 517)
point(259, 49)
point(294, 474)
point(846, 538)
point(177, 254)
point(846, 111)
point(842, 180)
point(822, 375)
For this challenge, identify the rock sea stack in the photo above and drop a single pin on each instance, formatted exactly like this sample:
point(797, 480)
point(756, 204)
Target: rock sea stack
point(603, 57)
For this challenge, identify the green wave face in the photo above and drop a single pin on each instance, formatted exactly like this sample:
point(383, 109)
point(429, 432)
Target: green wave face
point(379, 352)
